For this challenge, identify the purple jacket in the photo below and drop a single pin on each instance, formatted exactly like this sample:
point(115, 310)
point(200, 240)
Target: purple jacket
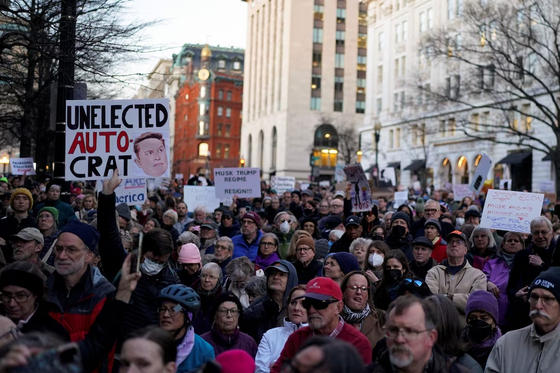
point(497, 272)
point(225, 342)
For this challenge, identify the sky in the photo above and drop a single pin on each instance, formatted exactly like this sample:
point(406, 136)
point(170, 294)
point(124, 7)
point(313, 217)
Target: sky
point(216, 22)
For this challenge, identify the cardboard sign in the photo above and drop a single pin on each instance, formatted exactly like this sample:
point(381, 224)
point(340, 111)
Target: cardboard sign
point(131, 135)
point(282, 184)
point(387, 177)
point(481, 173)
point(360, 192)
point(511, 211)
point(195, 196)
point(400, 199)
point(547, 186)
point(22, 165)
point(243, 182)
point(178, 176)
point(131, 191)
point(461, 191)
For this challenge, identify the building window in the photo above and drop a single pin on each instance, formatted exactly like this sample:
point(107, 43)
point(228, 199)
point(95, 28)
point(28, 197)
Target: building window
point(219, 151)
point(362, 61)
point(203, 92)
point(379, 106)
point(362, 40)
point(219, 130)
point(423, 22)
point(220, 111)
point(317, 57)
point(338, 83)
point(318, 12)
point(404, 30)
point(340, 15)
point(475, 122)
point(274, 147)
point(360, 107)
point(397, 67)
point(391, 139)
point(395, 102)
point(526, 118)
point(221, 64)
point(228, 130)
point(403, 66)
point(361, 84)
point(203, 149)
point(316, 82)
point(398, 33)
point(450, 9)
point(220, 95)
point(339, 61)
point(250, 150)
point(381, 41)
point(317, 35)
point(202, 110)
point(229, 96)
point(228, 112)
point(398, 138)
point(380, 74)
point(402, 97)
point(236, 65)
point(315, 103)
point(226, 152)
point(430, 13)
point(202, 128)
point(338, 105)
point(340, 37)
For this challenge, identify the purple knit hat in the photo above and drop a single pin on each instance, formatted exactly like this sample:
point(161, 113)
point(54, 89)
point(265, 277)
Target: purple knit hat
point(483, 301)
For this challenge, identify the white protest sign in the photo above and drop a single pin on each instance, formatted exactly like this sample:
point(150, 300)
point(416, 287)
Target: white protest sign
point(505, 184)
point(131, 135)
point(339, 174)
point(22, 165)
point(178, 176)
point(461, 191)
point(400, 198)
point(200, 196)
point(481, 173)
point(547, 186)
point(282, 184)
point(130, 191)
point(360, 193)
point(510, 211)
point(325, 183)
point(245, 182)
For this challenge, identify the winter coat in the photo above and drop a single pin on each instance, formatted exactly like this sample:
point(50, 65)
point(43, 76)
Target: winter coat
point(523, 350)
point(225, 342)
point(342, 244)
point(65, 211)
point(305, 274)
point(201, 353)
point(497, 272)
point(478, 261)
point(272, 344)
point(49, 241)
point(229, 231)
point(421, 271)
point(284, 240)
point(243, 248)
point(202, 322)
point(440, 250)
point(403, 244)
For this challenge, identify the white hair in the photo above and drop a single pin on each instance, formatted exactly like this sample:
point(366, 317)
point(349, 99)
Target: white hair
point(360, 241)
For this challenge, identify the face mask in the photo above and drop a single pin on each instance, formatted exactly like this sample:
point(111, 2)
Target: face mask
point(375, 260)
point(285, 227)
point(398, 231)
point(377, 237)
point(151, 268)
point(394, 275)
point(460, 221)
point(479, 330)
point(307, 211)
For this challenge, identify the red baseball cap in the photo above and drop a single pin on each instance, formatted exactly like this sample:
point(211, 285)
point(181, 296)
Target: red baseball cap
point(322, 288)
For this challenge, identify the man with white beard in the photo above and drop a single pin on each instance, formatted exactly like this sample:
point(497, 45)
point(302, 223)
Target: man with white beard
point(411, 340)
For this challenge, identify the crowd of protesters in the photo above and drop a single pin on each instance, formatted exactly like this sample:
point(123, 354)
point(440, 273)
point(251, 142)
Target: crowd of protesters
point(290, 282)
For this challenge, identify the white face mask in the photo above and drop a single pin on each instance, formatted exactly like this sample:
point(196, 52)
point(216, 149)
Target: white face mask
point(375, 260)
point(151, 268)
point(460, 221)
point(285, 227)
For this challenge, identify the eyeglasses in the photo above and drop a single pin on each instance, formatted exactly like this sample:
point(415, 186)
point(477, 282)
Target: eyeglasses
point(303, 249)
point(227, 217)
point(225, 311)
point(430, 211)
point(19, 297)
point(268, 244)
point(172, 311)
point(355, 288)
point(416, 283)
point(455, 243)
point(540, 233)
point(204, 277)
point(317, 304)
point(220, 247)
point(393, 332)
point(548, 301)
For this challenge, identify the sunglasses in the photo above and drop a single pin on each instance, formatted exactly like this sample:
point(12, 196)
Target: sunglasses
point(317, 304)
point(416, 283)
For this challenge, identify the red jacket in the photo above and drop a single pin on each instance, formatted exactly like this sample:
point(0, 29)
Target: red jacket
point(347, 334)
point(440, 250)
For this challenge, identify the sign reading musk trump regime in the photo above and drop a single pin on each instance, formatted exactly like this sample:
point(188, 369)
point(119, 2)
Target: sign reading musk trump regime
point(131, 135)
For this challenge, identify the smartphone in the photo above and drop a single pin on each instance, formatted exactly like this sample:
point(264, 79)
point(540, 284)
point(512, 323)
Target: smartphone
point(62, 359)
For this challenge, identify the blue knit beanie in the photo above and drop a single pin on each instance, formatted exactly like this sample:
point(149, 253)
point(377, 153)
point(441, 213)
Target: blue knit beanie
point(86, 232)
point(347, 262)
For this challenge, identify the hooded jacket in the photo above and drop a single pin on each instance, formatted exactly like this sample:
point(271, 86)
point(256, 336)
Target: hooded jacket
point(243, 248)
point(264, 313)
point(65, 211)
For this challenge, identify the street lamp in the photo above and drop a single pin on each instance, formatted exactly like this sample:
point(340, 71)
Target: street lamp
point(4, 161)
point(377, 132)
point(359, 154)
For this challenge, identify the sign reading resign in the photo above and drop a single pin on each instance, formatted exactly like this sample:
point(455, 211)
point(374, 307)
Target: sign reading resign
point(22, 165)
point(245, 182)
point(131, 135)
point(282, 184)
point(195, 196)
point(511, 211)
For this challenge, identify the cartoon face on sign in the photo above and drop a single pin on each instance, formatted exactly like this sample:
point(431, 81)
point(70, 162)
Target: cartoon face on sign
point(151, 155)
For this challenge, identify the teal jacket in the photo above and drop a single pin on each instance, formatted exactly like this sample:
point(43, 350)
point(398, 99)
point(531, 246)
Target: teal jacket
point(201, 353)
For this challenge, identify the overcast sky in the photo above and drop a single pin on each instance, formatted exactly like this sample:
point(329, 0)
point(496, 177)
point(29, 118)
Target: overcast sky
point(217, 22)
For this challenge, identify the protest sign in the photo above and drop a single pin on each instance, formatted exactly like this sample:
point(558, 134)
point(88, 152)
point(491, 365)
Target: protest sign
point(505, 184)
point(400, 199)
point(243, 182)
point(325, 183)
point(131, 135)
point(461, 191)
point(178, 176)
point(339, 174)
point(282, 184)
point(22, 165)
point(387, 177)
point(510, 211)
point(547, 186)
point(130, 191)
point(360, 192)
point(481, 173)
point(200, 196)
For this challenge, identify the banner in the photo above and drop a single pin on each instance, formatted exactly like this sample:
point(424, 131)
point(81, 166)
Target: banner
point(282, 184)
point(511, 211)
point(178, 176)
point(360, 193)
point(243, 182)
point(131, 135)
point(200, 196)
point(130, 191)
point(22, 165)
point(481, 173)
point(401, 198)
point(461, 191)
point(547, 186)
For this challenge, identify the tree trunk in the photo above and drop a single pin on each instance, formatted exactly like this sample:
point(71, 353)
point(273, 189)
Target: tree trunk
point(26, 127)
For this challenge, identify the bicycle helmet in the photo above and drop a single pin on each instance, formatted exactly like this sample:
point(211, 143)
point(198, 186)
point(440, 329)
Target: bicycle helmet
point(182, 294)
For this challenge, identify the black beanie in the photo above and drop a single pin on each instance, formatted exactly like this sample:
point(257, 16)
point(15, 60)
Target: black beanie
point(401, 215)
point(548, 280)
point(228, 296)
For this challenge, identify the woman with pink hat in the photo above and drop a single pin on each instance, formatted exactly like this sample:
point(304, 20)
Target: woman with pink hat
point(190, 264)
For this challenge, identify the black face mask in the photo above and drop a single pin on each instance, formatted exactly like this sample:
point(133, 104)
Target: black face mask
point(479, 330)
point(398, 231)
point(394, 275)
point(307, 211)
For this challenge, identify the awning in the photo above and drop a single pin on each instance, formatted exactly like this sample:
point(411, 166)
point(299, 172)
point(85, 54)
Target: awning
point(394, 164)
point(416, 165)
point(547, 158)
point(516, 158)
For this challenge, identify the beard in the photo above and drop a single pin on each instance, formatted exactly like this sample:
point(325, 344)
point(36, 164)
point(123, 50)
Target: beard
point(400, 356)
point(72, 268)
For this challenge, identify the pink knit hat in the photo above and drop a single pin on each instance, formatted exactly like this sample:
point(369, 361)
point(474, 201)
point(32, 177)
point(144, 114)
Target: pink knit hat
point(236, 361)
point(189, 253)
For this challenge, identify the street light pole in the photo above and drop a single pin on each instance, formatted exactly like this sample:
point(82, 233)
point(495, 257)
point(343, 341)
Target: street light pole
point(377, 132)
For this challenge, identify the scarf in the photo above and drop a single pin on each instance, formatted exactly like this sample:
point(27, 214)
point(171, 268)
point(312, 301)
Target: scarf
point(264, 262)
point(352, 317)
point(508, 258)
point(480, 349)
point(186, 346)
